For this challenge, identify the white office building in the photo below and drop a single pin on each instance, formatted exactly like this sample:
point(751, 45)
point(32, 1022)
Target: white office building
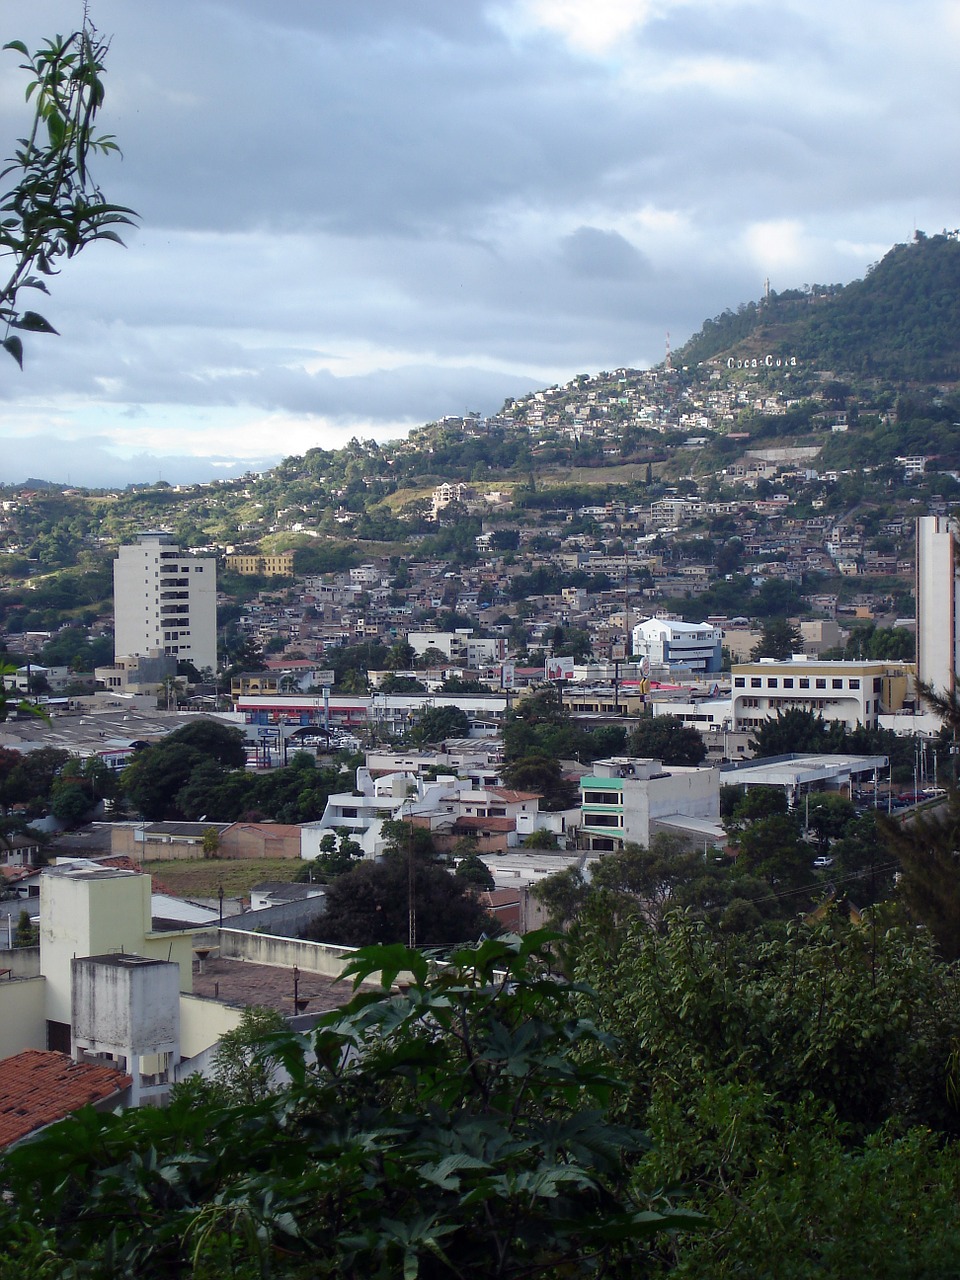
point(165, 600)
point(853, 692)
point(666, 642)
point(938, 572)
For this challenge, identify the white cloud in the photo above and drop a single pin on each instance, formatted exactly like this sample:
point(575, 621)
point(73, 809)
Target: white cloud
point(356, 217)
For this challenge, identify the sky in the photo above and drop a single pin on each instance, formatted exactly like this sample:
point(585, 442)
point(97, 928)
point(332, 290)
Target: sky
point(357, 216)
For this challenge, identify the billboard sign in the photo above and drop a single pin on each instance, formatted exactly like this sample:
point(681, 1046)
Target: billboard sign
point(558, 669)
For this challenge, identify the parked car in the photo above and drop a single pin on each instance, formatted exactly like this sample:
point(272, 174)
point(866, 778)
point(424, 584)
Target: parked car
point(822, 862)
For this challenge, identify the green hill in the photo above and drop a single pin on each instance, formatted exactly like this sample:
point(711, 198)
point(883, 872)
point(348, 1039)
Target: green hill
point(901, 322)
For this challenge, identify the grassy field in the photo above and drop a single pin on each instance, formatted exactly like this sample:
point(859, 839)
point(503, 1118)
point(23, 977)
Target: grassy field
point(202, 879)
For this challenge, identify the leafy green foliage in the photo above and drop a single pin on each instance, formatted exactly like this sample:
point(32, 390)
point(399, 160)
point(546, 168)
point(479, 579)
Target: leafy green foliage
point(901, 320)
point(371, 904)
point(437, 723)
point(459, 1129)
point(54, 208)
point(779, 639)
point(540, 725)
point(665, 738)
point(928, 851)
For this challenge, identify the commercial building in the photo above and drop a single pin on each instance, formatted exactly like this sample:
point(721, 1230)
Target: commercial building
point(629, 799)
point(669, 643)
point(938, 574)
point(853, 692)
point(165, 599)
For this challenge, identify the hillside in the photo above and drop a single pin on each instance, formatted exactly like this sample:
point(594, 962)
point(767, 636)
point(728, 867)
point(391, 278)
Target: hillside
point(901, 322)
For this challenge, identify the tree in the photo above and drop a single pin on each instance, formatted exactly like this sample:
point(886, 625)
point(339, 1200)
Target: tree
point(179, 775)
point(242, 1065)
point(779, 639)
point(927, 848)
point(459, 1129)
point(211, 842)
point(475, 871)
point(542, 776)
point(70, 803)
point(828, 814)
point(437, 723)
point(54, 207)
point(371, 904)
point(666, 739)
point(27, 934)
point(773, 849)
point(796, 732)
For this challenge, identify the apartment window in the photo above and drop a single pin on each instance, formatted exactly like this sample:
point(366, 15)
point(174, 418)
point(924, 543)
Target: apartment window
point(878, 684)
point(772, 682)
point(739, 682)
point(821, 683)
point(854, 684)
point(804, 682)
point(602, 797)
point(788, 682)
point(836, 684)
point(602, 820)
point(755, 682)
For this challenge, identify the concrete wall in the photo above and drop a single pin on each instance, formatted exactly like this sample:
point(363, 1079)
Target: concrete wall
point(282, 919)
point(125, 1003)
point(94, 913)
point(255, 840)
point(23, 962)
point(261, 948)
point(22, 1021)
point(202, 1023)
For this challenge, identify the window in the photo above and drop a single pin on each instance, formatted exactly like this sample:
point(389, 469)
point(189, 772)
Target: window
point(854, 684)
point(602, 820)
point(755, 682)
point(836, 684)
point(602, 797)
point(772, 682)
point(739, 682)
point(878, 684)
point(821, 683)
point(804, 682)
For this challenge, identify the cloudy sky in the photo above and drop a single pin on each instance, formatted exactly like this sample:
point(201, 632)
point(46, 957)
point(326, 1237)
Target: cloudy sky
point(360, 215)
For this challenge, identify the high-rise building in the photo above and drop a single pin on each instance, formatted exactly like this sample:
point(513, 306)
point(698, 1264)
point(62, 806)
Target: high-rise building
point(938, 594)
point(165, 599)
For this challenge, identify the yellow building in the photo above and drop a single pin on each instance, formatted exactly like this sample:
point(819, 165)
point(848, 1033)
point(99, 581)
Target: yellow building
point(278, 564)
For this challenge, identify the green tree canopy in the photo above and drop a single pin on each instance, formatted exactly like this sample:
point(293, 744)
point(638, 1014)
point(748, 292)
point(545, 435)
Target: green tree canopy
point(779, 639)
point(371, 904)
point(666, 739)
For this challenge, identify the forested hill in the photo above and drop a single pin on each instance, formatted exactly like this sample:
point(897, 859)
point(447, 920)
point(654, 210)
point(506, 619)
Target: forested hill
point(901, 321)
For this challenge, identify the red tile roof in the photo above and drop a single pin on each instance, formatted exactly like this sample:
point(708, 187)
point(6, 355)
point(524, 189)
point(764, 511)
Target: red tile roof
point(38, 1087)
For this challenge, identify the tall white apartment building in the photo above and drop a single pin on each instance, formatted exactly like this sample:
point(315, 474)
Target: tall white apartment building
point(938, 576)
point(165, 599)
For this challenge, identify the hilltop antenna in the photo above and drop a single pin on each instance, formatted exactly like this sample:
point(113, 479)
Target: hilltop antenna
point(766, 289)
point(667, 359)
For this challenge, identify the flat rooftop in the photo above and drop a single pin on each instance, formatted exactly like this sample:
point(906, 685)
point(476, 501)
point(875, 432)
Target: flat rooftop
point(795, 770)
point(241, 982)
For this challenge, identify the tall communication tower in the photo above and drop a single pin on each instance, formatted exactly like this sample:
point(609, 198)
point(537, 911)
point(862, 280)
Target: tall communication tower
point(666, 362)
